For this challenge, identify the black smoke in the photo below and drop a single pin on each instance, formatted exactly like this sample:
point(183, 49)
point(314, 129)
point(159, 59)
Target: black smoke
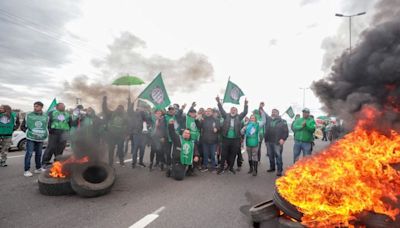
point(370, 74)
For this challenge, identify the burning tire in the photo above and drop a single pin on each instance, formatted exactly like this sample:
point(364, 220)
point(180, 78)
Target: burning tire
point(178, 171)
point(375, 220)
point(92, 180)
point(287, 223)
point(286, 207)
point(264, 211)
point(51, 186)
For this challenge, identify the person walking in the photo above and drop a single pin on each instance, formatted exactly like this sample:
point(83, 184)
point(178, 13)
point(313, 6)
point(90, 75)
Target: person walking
point(304, 129)
point(230, 134)
point(35, 126)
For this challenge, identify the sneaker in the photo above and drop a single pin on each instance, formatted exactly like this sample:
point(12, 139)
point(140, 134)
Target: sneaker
point(3, 164)
point(232, 171)
point(43, 169)
point(271, 170)
point(28, 174)
point(204, 170)
point(278, 174)
point(142, 165)
point(220, 171)
point(37, 171)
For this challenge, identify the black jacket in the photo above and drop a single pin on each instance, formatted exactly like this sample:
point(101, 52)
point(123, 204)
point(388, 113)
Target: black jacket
point(227, 121)
point(208, 135)
point(276, 130)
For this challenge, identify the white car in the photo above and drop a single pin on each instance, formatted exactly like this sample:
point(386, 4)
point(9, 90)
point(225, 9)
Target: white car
point(18, 141)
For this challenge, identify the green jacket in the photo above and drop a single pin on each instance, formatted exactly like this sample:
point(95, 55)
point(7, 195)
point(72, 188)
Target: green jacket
point(306, 133)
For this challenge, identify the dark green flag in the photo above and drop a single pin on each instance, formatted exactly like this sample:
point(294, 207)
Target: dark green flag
point(52, 106)
point(290, 112)
point(232, 93)
point(156, 93)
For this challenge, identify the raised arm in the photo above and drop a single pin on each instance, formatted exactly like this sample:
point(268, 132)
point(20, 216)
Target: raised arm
point(106, 111)
point(172, 133)
point(221, 109)
point(245, 110)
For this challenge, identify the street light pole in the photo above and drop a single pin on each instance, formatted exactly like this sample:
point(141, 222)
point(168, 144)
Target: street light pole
point(304, 95)
point(350, 17)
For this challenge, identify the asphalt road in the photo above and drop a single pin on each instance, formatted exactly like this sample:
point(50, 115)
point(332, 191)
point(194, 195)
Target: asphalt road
point(140, 196)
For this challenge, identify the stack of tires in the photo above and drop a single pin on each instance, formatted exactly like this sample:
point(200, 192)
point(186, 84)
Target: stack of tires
point(86, 180)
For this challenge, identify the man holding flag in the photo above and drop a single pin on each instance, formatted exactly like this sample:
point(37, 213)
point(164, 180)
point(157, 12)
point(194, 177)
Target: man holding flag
point(231, 126)
point(156, 93)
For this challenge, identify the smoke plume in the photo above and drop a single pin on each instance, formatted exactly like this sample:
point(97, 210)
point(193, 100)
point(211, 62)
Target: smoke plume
point(184, 74)
point(370, 74)
point(91, 93)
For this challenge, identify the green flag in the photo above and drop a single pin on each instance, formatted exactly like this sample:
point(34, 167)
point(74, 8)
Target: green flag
point(52, 105)
point(290, 112)
point(156, 93)
point(232, 93)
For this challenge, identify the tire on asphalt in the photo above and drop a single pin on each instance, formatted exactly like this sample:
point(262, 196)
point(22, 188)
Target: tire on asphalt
point(286, 207)
point(92, 179)
point(50, 186)
point(264, 211)
point(178, 171)
point(22, 145)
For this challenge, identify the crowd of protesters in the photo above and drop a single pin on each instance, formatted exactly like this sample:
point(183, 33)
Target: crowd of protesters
point(207, 140)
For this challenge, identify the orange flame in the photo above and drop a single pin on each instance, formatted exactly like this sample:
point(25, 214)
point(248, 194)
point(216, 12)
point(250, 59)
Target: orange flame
point(57, 170)
point(353, 175)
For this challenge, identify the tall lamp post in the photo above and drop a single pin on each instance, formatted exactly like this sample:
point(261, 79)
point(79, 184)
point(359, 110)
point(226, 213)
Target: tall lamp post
point(350, 17)
point(304, 95)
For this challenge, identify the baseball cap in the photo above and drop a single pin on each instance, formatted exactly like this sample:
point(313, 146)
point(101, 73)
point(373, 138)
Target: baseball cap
point(307, 110)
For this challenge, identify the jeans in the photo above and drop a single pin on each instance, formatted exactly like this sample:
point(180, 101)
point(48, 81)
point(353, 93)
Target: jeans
point(274, 152)
point(299, 147)
point(32, 146)
point(209, 150)
point(139, 143)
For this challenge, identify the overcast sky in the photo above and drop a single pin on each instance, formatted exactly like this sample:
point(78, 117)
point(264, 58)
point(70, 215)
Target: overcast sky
point(270, 49)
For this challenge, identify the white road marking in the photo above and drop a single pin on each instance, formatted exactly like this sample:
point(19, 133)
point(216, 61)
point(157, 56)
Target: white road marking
point(127, 160)
point(146, 220)
point(16, 156)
